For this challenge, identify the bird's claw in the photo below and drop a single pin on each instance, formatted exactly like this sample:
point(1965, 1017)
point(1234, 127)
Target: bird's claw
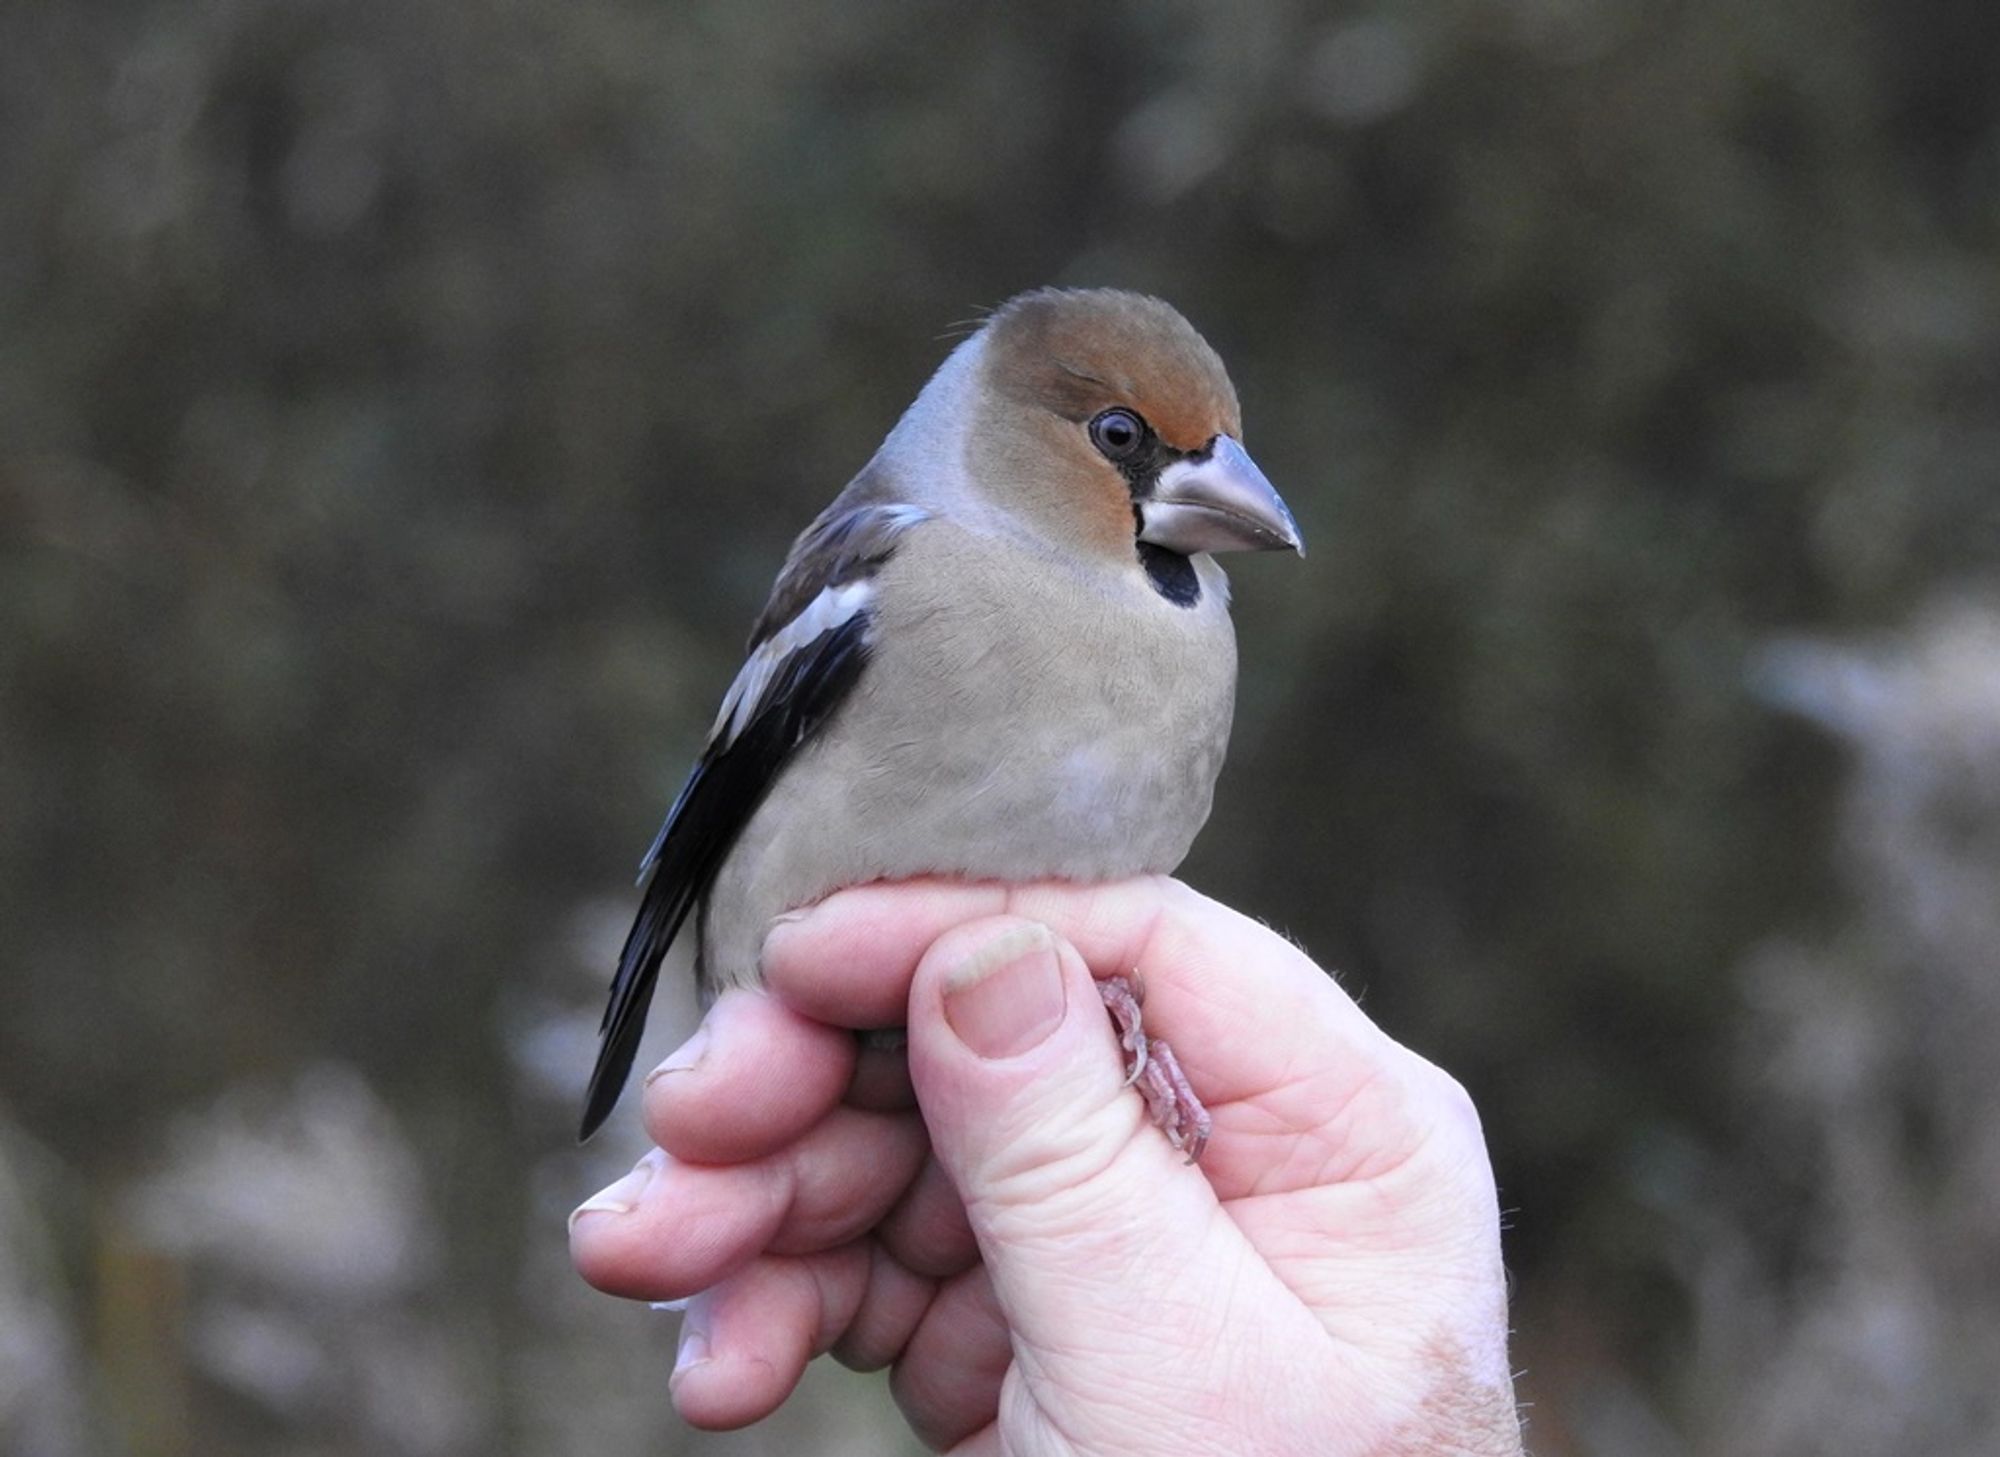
point(1152, 1066)
point(1123, 997)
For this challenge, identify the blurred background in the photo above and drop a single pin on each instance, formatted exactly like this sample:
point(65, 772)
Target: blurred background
point(404, 405)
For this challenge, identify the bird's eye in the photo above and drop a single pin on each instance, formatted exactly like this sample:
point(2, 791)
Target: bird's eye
point(1117, 434)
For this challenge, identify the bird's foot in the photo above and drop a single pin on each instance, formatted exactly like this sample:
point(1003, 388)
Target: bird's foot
point(1152, 1066)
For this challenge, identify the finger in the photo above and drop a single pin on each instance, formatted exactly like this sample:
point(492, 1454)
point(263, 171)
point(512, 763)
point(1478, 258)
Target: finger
point(927, 1230)
point(848, 960)
point(983, 1443)
point(745, 1343)
point(947, 1383)
point(1091, 1228)
point(754, 1076)
point(669, 1229)
point(881, 1080)
point(1232, 982)
point(1242, 1007)
point(891, 1307)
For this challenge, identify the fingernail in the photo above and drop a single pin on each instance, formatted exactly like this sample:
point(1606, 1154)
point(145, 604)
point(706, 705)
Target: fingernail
point(1007, 996)
point(684, 1057)
point(779, 928)
point(789, 918)
point(622, 1197)
point(694, 1338)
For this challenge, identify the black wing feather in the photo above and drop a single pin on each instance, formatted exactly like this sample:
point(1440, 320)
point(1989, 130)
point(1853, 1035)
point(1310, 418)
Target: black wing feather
point(718, 800)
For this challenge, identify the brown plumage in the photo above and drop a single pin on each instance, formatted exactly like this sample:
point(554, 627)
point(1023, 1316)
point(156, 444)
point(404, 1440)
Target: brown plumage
point(1074, 352)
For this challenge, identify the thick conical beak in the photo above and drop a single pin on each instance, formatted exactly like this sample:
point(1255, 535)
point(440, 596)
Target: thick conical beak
point(1219, 501)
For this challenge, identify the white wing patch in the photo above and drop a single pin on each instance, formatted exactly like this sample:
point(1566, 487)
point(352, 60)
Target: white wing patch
point(825, 612)
point(902, 518)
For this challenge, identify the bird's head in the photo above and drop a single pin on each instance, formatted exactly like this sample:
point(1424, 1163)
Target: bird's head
point(1104, 417)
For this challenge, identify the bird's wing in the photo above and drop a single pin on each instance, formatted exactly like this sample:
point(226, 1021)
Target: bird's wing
point(806, 654)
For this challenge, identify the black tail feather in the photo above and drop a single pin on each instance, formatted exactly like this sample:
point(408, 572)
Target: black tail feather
point(718, 801)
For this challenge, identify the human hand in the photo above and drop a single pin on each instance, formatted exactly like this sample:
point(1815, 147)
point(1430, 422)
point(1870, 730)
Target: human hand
point(1043, 1272)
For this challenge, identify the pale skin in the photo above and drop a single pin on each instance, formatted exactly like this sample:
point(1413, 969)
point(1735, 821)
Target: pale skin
point(998, 1223)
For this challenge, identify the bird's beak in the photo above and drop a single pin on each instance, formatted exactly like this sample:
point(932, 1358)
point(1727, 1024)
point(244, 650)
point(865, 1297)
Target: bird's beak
point(1217, 501)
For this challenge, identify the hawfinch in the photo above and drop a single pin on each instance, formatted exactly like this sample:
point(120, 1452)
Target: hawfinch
point(1002, 653)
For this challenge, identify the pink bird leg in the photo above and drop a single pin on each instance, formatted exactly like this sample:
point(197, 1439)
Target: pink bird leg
point(1151, 1065)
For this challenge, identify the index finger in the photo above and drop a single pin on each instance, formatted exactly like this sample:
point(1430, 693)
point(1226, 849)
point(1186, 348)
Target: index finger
point(1245, 1009)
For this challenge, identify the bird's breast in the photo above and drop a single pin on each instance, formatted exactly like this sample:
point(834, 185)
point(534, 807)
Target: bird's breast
point(1015, 722)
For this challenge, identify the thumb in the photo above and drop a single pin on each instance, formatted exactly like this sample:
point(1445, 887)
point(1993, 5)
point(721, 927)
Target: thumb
point(1079, 1205)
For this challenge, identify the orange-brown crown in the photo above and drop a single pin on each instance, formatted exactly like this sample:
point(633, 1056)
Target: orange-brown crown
point(1075, 352)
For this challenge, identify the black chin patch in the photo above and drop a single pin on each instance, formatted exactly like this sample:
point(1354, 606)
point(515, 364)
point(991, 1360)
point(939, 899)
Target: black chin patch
point(1171, 574)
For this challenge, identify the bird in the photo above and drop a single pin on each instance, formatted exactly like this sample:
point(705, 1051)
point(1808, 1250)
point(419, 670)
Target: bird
point(1003, 652)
